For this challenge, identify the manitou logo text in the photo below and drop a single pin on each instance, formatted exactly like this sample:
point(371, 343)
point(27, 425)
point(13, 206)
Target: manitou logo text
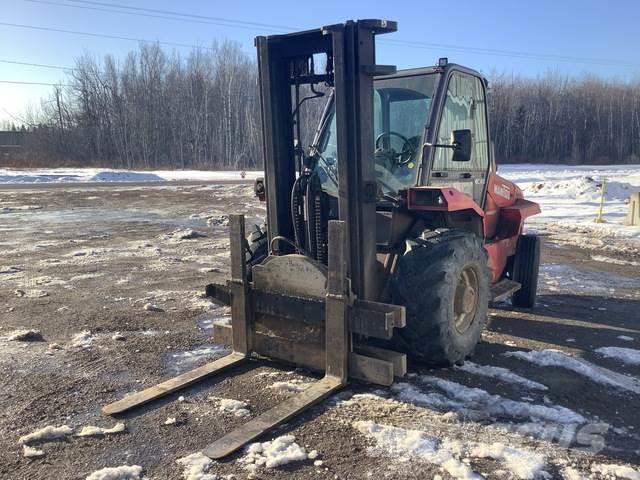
point(502, 190)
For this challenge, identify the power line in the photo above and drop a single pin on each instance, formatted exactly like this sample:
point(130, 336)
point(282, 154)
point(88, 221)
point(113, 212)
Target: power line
point(101, 35)
point(41, 65)
point(16, 82)
point(173, 15)
point(183, 17)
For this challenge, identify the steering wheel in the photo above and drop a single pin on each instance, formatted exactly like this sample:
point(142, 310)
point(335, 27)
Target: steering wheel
point(407, 151)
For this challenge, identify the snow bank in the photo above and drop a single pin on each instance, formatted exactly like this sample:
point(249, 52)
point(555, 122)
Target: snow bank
point(90, 430)
point(196, 467)
point(500, 373)
point(70, 175)
point(619, 471)
point(125, 472)
point(626, 355)
point(46, 434)
point(279, 451)
point(570, 195)
point(556, 358)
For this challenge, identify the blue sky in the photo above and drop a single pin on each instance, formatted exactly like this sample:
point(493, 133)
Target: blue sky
point(585, 29)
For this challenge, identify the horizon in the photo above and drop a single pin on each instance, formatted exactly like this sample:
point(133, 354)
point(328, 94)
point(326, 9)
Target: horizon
point(495, 39)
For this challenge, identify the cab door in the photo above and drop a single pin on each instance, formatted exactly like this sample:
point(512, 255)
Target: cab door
point(464, 108)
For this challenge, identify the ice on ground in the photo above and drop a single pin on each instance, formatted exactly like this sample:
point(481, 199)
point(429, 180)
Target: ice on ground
point(556, 358)
point(477, 402)
point(277, 452)
point(46, 434)
point(557, 277)
point(629, 356)
point(83, 339)
point(616, 261)
point(90, 430)
point(619, 471)
point(523, 464)
point(196, 467)
point(124, 472)
point(181, 361)
point(290, 386)
point(235, 407)
point(500, 373)
point(414, 444)
point(31, 452)
point(27, 335)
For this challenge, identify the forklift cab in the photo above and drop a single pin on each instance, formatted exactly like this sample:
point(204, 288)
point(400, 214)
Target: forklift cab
point(415, 115)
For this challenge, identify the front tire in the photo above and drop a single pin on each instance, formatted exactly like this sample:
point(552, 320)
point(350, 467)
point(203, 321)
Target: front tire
point(526, 263)
point(443, 282)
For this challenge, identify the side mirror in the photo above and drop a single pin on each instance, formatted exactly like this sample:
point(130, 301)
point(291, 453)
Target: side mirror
point(461, 142)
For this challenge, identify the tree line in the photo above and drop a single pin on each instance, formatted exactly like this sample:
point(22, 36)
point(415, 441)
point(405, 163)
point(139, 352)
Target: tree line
point(163, 110)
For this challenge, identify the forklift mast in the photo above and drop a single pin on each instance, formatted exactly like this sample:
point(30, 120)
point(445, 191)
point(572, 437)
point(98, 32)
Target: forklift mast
point(284, 63)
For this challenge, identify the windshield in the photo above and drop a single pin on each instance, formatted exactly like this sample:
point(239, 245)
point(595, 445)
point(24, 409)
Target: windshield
point(401, 107)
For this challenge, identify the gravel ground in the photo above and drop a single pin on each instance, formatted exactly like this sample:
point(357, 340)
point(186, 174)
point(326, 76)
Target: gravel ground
point(111, 280)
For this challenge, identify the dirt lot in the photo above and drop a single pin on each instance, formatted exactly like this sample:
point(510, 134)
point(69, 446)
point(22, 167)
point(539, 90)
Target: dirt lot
point(89, 267)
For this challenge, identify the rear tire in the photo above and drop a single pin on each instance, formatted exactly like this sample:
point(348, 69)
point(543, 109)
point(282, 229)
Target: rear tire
point(526, 263)
point(443, 282)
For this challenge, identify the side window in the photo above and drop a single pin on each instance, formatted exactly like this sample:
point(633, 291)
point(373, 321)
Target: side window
point(464, 108)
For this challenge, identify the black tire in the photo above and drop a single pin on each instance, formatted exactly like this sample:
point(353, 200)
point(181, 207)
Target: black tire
point(526, 263)
point(257, 248)
point(431, 282)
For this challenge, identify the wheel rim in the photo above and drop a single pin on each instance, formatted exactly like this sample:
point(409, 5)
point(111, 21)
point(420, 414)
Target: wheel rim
point(465, 303)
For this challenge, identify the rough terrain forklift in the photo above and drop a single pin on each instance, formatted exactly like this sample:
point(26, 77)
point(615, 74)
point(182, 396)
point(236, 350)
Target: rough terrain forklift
point(387, 237)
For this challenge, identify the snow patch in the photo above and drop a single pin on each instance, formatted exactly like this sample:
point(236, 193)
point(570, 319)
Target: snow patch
point(31, 452)
point(556, 358)
point(477, 402)
point(196, 467)
point(407, 444)
point(523, 464)
point(124, 472)
point(235, 407)
point(46, 434)
point(500, 373)
point(626, 355)
point(616, 261)
point(90, 430)
point(277, 452)
point(620, 471)
point(625, 338)
point(83, 339)
point(290, 386)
